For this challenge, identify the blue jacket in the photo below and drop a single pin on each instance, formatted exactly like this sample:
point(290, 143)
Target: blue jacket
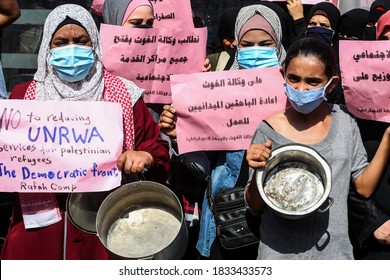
point(224, 176)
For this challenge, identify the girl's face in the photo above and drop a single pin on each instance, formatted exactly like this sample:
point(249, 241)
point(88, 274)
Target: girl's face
point(319, 21)
point(140, 16)
point(306, 73)
point(256, 38)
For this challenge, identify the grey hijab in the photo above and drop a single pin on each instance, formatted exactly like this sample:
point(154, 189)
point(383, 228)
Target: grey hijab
point(48, 85)
point(271, 17)
point(114, 11)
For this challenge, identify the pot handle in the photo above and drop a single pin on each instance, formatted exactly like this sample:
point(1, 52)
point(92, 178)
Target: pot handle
point(330, 203)
point(147, 258)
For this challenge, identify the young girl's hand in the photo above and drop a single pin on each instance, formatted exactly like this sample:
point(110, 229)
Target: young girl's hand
point(257, 154)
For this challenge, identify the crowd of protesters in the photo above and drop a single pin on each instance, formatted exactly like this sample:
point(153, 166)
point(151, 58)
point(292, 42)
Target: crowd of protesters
point(304, 42)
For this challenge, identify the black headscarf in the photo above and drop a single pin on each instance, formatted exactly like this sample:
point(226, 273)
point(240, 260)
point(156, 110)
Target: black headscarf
point(227, 23)
point(378, 8)
point(333, 14)
point(66, 21)
point(353, 22)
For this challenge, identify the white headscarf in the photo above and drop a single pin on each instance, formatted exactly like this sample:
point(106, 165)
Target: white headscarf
point(48, 85)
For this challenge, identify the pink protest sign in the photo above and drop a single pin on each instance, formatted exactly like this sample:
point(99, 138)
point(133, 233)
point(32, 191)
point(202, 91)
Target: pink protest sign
point(221, 110)
point(365, 78)
point(311, 2)
point(59, 146)
point(149, 56)
point(172, 14)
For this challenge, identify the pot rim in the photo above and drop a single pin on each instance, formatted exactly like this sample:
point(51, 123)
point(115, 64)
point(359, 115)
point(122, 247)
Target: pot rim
point(77, 219)
point(311, 152)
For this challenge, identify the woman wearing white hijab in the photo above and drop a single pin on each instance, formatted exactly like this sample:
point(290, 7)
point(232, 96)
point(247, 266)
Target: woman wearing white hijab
point(70, 68)
point(258, 34)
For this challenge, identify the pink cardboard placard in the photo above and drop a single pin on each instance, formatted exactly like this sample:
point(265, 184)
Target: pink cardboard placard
point(172, 14)
point(59, 146)
point(167, 13)
point(365, 78)
point(149, 56)
point(222, 110)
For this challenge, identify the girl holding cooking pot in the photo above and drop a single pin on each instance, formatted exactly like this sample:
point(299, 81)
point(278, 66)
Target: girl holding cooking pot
point(310, 73)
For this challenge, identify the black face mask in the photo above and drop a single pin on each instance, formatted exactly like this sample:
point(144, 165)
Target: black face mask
point(143, 26)
point(322, 33)
point(369, 33)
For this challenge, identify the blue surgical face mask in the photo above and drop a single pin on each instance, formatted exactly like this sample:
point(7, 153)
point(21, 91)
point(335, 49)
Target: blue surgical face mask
point(305, 101)
point(72, 62)
point(322, 33)
point(257, 57)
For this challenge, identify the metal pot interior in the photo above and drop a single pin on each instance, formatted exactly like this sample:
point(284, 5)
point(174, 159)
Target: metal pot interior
point(142, 220)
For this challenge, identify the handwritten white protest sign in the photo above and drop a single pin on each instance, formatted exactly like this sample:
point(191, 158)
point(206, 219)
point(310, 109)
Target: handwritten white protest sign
point(59, 146)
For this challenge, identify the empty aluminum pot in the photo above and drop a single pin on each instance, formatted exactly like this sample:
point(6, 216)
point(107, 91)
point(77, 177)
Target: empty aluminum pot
point(295, 182)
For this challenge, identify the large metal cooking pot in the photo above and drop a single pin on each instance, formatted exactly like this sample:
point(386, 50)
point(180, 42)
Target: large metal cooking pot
point(295, 182)
point(142, 220)
point(82, 209)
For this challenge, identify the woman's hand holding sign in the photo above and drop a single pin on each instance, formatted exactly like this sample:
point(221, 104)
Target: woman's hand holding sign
point(167, 122)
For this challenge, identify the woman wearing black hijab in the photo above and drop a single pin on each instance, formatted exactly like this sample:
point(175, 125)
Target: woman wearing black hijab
point(352, 24)
point(377, 9)
point(322, 23)
point(322, 20)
